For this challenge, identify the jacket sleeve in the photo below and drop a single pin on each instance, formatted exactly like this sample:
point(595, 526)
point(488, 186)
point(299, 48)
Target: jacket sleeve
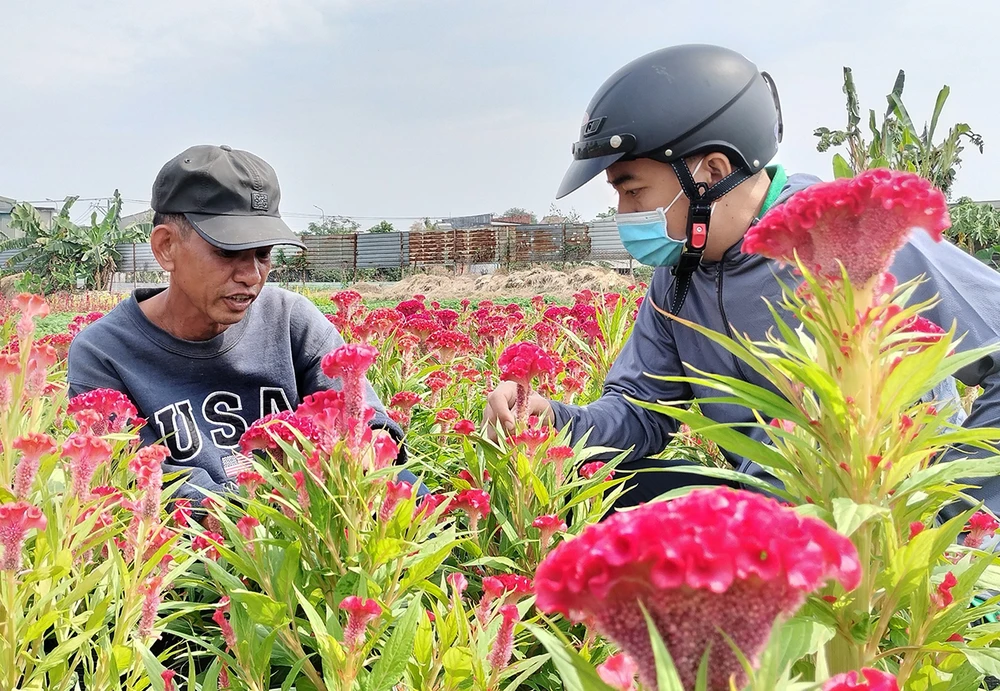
point(968, 294)
point(612, 420)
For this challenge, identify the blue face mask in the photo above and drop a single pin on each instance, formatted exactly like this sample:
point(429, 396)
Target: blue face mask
point(644, 234)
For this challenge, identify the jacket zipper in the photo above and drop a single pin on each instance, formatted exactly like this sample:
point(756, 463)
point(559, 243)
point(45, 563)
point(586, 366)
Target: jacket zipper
point(725, 320)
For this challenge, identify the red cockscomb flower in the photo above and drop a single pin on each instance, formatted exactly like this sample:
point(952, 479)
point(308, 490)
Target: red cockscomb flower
point(714, 559)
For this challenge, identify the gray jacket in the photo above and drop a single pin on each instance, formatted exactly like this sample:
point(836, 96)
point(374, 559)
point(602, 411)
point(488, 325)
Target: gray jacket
point(730, 292)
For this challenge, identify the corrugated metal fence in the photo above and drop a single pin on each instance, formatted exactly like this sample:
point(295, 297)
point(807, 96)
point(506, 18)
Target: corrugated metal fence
point(496, 246)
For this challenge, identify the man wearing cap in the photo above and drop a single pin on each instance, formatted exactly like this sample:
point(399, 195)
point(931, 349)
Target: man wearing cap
point(217, 349)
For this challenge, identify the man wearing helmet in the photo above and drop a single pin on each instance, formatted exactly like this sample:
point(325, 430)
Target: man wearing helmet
point(685, 136)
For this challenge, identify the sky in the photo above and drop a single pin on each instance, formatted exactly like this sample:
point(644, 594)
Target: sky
point(398, 109)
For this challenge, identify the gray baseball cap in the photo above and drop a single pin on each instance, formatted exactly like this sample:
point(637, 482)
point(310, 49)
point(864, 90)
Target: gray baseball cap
point(229, 196)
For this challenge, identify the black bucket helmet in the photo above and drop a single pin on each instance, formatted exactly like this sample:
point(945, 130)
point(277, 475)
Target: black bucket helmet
point(674, 103)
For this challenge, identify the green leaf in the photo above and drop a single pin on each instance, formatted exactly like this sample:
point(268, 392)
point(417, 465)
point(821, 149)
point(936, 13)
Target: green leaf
point(262, 609)
point(985, 660)
point(799, 637)
point(457, 663)
point(849, 516)
point(841, 168)
point(949, 471)
point(576, 673)
point(667, 678)
point(723, 435)
point(427, 566)
point(396, 653)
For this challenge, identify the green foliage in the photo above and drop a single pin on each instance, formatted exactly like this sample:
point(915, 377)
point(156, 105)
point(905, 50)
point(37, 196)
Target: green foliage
point(975, 227)
point(332, 225)
point(56, 256)
point(896, 142)
point(382, 227)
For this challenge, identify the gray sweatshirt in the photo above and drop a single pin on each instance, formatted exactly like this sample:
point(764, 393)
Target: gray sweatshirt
point(199, 397)
point(731, 291)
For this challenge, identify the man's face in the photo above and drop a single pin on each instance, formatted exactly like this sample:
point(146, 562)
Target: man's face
point(646, 185)
point(216, 286)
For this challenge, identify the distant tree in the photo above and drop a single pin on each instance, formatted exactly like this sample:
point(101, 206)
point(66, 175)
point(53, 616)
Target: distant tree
point(519, 211)
point(420, 226)
point(556, 215)
point(332, 225)
point(610, 213)
point(382, 227)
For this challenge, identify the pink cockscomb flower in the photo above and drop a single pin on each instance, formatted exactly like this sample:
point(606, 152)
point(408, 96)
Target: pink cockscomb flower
point(521, 363)
point(618, 672)
point(981, 526)
point(859, 221)
point(503, 646)
point(220, 618)
point(547, 527)
point(869, 679)
point(714, 559)
point(32, 448)
point(266, 433)
point(85, 452)
point(589, 470)
point(474, 502)
point(359, 614)
point(16, 519)
point(114, 409)
point(395, 492)
point(147, 466)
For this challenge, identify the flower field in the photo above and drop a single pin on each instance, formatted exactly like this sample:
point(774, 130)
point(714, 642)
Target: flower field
point(508, 568)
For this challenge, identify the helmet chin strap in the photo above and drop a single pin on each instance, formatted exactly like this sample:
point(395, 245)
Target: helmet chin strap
point(701, 197)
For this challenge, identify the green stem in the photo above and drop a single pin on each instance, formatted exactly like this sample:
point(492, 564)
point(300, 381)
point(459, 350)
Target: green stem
point(10, 597)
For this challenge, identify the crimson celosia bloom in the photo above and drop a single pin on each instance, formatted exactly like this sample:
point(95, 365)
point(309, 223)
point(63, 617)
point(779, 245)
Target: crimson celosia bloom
point(437, 380)
point(714, 559)
point(428, 504)
point(618, 672)
point(557, 456)
point(589, 470)
point(264, 433)
point(520, 363)
point(346, 301)
point(395, 492)
point(404, 400)
point(359, 614)
point(149, 477)
point(208, 542)
point(250, 481)
point(385, 450)
point(246, 527)
point(16, 519)
point(420, 326)
point(548, 526)
point(150, 591)
point(349, 363)
point(448, 319)
point(503, 647)
point(474, 502)
point(448, 344)
point(868, 680)
point(859, 221)
point(115, 409)
point(410, 307)
point(981, 526)
point(60, 343)
point(182, 511)
point(458, 583)
point(465, 427)
point(32, 448)
point(85, 452)
point(219, 617)
point(82, 320)
point(942, 597)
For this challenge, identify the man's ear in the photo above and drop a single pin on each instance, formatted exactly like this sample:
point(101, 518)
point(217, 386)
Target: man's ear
point(164, 241)
point(716, 167)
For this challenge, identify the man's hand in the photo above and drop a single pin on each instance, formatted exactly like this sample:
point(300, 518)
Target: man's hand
point(500, 408)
